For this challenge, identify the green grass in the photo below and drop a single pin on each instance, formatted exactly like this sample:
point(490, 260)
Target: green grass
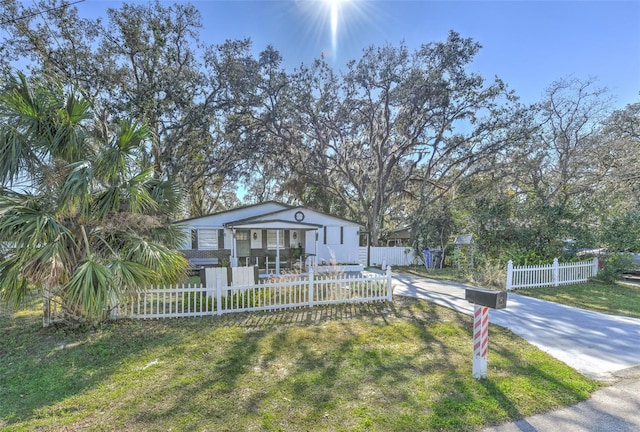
point(404, 366)
point(615, 299)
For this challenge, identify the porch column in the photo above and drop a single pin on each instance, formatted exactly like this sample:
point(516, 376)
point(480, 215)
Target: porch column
point(234, 248)
point(315, 259)
point(277, 251)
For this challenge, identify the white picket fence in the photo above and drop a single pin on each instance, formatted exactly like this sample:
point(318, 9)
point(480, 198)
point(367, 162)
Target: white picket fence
point(555, 274)
point(393, 256)
point(279, 293)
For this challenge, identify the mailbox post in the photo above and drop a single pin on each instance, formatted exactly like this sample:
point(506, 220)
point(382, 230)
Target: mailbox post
point(483, 299)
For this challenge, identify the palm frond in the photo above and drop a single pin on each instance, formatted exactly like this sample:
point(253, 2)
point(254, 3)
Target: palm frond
point(167, 194)
point(16, 155)
point(116, 160)
point(131, 277)
point(171, 236)
point(24, 222)
point(131, 136)
point(89, 291)
point(40, 122)
point(105, 202)
point(76, 190)
point(14, 289)
point(169, 266)
point(138, 198)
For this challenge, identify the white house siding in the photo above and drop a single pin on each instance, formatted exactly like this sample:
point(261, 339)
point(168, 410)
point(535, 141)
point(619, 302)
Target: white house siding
point(333, 250)
point(347, 252)
point(338, 244)
point(217, 220)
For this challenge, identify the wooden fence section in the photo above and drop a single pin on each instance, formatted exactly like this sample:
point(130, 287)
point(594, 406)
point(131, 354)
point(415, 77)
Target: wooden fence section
point(280, 293)
point(393, 256)
point(555, 274)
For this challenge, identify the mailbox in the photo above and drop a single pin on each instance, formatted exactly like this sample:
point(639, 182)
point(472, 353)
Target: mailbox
point(485, 297)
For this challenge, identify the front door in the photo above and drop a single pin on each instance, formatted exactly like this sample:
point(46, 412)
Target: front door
point(243, 243)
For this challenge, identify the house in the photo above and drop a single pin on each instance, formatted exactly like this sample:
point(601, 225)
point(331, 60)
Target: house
point(400, 237)
point(270, 235)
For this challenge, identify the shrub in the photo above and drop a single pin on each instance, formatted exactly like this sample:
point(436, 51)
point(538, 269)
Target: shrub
point(490, 274)
point(614, 266)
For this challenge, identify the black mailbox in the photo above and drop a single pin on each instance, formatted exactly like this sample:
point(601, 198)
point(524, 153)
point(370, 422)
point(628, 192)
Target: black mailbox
point(485, 297)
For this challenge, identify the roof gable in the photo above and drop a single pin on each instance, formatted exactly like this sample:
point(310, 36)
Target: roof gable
point(307, 214)
point(251, 210)
point(264, 212)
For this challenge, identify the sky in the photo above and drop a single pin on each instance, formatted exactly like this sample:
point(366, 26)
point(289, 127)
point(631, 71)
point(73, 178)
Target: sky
point(528, 44)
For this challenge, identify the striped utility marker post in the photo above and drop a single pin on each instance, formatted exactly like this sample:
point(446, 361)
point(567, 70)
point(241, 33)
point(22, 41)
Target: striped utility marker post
point(483, 299)
point(480, 340)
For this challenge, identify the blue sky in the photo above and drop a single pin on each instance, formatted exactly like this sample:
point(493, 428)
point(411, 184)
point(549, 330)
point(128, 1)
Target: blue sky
point(528, 44)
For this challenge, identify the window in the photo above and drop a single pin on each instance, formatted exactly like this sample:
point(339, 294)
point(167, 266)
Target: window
point(271, 239)
point(333, 235)
point(208, 239)
point(242, 235)
point(194, 239)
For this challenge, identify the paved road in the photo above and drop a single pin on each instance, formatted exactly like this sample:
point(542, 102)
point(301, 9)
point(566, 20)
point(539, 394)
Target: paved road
point(598, 345)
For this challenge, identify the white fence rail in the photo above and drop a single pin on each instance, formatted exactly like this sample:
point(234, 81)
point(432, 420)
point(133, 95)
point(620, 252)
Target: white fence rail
point(551, 274)
point(393, 256)
point(281, 293)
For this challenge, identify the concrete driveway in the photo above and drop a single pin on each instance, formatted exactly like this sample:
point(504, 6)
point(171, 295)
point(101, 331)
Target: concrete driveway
point(601, 346)
point(595, 344)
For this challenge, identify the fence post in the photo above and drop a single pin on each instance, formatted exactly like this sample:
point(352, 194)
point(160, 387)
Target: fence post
point(594, 270)
point(46, 307)
point(556, 272)
point(311, 277)
point(218, 294)
point(389, 285)
point(509, 275)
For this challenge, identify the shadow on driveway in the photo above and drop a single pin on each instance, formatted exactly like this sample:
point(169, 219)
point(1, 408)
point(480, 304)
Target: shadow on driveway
point(595, 344)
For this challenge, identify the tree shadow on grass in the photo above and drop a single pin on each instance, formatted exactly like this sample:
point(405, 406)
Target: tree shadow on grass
point(376, 366)
point(289, 370)
point(41, 367)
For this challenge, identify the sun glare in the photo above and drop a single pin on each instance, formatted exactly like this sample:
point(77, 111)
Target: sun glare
point(334, 6)
point(334, 14)
point(340, 19)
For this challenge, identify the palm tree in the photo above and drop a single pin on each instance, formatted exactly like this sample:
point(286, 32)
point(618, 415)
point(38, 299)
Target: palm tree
point(82, 217)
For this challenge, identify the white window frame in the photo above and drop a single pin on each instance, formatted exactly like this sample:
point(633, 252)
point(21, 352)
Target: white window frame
point(271, 239)
point(207, 239)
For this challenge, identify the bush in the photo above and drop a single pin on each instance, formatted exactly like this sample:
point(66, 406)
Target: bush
point(490, 274)
point(196, 300)
point(615, 265)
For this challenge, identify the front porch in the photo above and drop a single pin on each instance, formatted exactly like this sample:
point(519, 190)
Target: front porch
point(270, 250)
point(268, 262)
point(271, 262)
point(273, 246)
point(271, 237)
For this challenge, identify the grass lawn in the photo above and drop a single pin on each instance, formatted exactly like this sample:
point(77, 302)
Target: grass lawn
point(615, 299)
point(404, 366)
